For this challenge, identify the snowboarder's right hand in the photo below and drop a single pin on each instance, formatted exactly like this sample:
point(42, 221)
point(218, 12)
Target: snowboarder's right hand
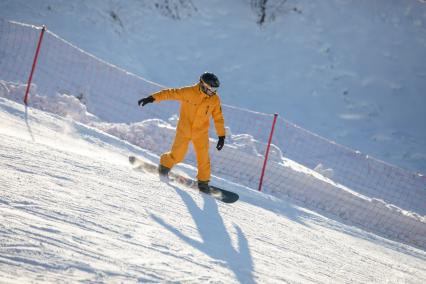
point(146, 100)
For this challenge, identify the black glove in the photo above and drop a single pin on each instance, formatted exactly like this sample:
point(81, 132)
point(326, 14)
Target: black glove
point(220, 143)
point(146, 100)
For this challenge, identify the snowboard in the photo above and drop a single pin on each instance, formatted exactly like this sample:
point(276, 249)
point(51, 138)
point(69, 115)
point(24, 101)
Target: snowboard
point(216, 192)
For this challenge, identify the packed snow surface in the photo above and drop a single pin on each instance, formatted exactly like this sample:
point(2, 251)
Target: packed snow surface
point(311, 188)
point(72, 209)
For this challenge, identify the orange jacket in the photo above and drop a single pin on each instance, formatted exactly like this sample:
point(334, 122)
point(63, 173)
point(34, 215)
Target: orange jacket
point(195, 110)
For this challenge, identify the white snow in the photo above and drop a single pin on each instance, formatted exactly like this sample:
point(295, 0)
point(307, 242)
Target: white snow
point(350, 71)
point(313, 189)
point(72, 210)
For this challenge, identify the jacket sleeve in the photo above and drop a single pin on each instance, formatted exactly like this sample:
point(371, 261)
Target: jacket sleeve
point(219, 122)
point(169, 94)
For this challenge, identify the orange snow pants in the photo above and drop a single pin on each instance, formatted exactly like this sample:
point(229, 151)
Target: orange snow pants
point(179, 149)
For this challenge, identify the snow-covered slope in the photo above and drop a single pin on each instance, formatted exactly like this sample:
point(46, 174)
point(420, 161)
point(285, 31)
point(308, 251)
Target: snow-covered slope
point(285, 178)
point(349, 70)
point(70, 205)
point(72, 209)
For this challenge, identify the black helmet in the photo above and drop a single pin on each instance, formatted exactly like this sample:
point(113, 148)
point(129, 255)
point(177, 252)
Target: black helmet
point(210, 79)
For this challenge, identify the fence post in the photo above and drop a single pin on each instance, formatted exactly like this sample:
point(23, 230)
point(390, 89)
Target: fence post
point(267, 151)
point(34, 64)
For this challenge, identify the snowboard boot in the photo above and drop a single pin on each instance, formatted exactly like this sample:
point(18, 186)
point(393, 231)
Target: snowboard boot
point(204, 186)
point(163, 171)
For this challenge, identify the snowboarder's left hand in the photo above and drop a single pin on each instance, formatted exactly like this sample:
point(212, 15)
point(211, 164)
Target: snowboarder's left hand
point(220, 143)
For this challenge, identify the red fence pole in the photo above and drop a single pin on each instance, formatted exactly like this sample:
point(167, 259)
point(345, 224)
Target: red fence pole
point(34, 64)
point(267, 151)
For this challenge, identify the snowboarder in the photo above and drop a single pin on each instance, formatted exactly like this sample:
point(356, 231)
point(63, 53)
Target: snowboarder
point(198, 103)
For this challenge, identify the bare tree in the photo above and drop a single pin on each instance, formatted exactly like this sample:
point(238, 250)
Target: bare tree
point(175, 9)
point(266, 9)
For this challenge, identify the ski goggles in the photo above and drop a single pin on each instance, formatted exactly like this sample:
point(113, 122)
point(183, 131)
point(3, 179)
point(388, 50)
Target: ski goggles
point(207, 89)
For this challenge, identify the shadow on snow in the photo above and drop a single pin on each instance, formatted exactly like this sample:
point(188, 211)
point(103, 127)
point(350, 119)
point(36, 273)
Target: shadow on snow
point(216, 241)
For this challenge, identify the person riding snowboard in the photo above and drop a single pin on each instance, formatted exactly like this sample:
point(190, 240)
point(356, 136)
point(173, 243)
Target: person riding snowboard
point(199, 103)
